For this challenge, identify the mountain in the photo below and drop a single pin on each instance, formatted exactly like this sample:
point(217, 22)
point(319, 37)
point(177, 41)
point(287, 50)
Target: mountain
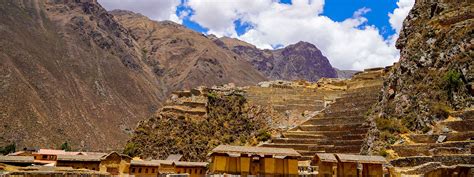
point(185, 58)
point(70, 71)
point(429, 92)
point(300, 61)
point(345, 74)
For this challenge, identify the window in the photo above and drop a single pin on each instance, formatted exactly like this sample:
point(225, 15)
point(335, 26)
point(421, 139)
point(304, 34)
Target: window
point(146, 170)
point(133, 170)
point(93, 169)
point(139, 170)
point(195, 170)
point(45, 157)
point(153, 170)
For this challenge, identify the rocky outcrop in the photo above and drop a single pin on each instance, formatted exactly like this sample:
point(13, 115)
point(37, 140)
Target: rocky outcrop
point(426, 106)
point(300, 61)
point(194, 122)
point(435, 73)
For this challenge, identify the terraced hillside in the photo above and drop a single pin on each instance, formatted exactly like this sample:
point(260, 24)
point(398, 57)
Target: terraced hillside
point(450, 143)
point(293, 103)
point(339, 127)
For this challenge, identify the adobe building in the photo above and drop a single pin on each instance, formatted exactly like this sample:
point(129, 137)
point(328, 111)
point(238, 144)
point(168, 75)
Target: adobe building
point(21, 161)
point(152, 168)
point(350, 165)
point(112, 163)
point(327, 164)
point(144, 168)
point(242, 160)
point(193, 169)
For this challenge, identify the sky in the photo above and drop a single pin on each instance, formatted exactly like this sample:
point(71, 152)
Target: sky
point(352, 34)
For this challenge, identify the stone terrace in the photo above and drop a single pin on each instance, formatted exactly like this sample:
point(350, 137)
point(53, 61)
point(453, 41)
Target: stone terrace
point(339, 127)
point(450, 143)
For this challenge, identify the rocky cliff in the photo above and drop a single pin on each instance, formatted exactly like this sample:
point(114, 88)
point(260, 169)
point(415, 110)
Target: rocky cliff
point(71, 72)
point(195, 121)
point(433, 79)
point(300, 61)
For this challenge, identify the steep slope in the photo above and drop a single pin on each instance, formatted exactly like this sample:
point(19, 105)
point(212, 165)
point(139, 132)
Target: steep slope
point(194, 122)
point(426, 109)
point(184, 58)
point(339, 127)
point(70, 66)
point(300, 61)
point(69, 72)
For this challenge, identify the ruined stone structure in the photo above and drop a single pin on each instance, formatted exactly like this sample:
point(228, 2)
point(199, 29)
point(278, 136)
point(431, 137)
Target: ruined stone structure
point(449, 144)
point(296, 101)
point(339, 127)
point(187, 103)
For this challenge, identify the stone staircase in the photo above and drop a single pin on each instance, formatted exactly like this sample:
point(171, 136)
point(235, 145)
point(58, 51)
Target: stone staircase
point(338, 128)
point(451, 143)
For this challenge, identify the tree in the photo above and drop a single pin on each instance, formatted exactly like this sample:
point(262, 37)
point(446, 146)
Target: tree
point(65, 146)
point(8, 149)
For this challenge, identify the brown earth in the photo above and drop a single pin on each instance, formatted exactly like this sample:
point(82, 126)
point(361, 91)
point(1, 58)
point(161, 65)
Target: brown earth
point(71, 72)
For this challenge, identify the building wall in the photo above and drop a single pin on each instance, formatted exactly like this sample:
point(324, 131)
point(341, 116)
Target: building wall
point(372, 170)
point(79, 165)
point(45, 157)
point(346, 169)
point(192, 171)
point(244, 166)
point(327, 169)
point(115, 165)
point(144, 171)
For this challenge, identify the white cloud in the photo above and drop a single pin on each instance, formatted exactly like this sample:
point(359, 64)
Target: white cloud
point(350, 44)
point(400, 13)
point(154, 9)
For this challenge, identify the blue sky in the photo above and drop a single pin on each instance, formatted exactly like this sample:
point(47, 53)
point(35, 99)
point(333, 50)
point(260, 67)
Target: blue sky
point(337, 10)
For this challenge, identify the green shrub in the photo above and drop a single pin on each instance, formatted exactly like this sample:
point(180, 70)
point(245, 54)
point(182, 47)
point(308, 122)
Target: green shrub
point(383, 152)
point(391, 125)
point(452, 81)
point(131, 149)
point(8, 149)
point(263, 135)
point(65, 146)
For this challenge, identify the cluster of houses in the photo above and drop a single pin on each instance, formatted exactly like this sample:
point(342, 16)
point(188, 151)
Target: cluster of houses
point(223, 160)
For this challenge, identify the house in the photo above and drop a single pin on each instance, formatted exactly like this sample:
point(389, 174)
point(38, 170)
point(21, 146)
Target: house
point(327, 164)
point(242, 160)
point(112, 163)
point(17, 160)
point(90, 162)
point(359, 165)
point(194, 169)
point(144, 168)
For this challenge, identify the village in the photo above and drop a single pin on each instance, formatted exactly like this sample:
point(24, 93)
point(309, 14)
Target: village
point(223, 160)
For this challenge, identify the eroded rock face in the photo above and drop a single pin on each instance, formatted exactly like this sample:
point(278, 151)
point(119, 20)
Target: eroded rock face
point(300, 61)
point(194, 122)
point(435, 73)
